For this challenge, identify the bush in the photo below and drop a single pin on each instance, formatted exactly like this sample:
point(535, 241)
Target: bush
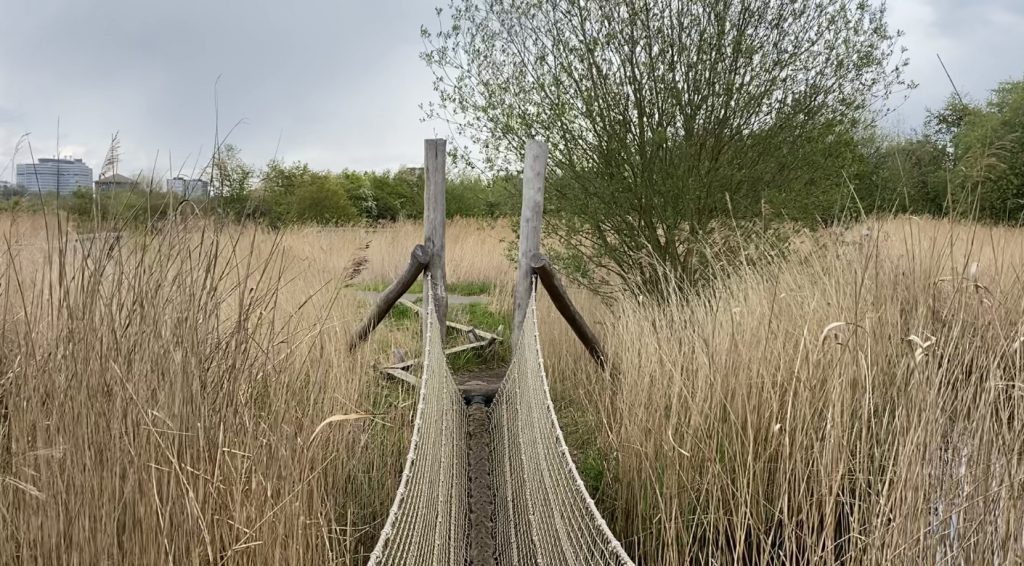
point(386, 196)
point(296, 194)
point(475, 197)
point(906, 176)
point(988, 144)
point(664, 117)
point(233, 180)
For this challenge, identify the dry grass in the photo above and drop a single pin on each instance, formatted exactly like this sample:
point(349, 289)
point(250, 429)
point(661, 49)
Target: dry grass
point(734, 431)
point(475, 250)
point(161, 399)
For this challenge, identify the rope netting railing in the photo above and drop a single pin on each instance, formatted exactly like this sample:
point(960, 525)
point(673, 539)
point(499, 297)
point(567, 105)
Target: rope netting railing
point(544, 514)
point(427, 522)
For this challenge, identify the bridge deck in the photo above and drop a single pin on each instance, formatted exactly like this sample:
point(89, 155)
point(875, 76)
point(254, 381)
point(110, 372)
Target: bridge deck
point(481, 384)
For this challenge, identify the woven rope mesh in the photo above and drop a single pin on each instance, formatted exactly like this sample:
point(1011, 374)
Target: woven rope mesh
point(543, 514)
point(427, 522)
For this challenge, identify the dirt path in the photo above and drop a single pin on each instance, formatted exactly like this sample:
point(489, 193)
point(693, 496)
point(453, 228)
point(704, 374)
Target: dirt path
point(480, 551)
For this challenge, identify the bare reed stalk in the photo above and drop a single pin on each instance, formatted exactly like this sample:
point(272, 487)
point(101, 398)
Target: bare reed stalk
point(735, 431)
point(159, 394)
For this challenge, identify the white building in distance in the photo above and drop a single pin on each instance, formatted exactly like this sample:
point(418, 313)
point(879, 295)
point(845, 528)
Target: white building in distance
point(189, 188)
point(49, 175)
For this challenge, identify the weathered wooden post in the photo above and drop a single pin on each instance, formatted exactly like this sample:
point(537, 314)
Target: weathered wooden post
point(433, 222)
point(418, 261)
point(560, 298)
point(530, 221)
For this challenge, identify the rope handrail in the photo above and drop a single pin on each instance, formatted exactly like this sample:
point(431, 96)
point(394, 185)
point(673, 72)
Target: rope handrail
point(543, 513)
point(431, 497)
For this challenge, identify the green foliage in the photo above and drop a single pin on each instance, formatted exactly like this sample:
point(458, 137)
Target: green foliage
point(296, 194)
point(475, 197)
point(386, 196)
point(12, 204)
point(469, 288)
point(465, 289)
point(9, 192)
point(118, 209)
point(233, 179)
point(82, 205)
point(988, 147)
point(905, 176)
point(402, 314)
point(478, 315)
point(465, 197)
point(664, 117)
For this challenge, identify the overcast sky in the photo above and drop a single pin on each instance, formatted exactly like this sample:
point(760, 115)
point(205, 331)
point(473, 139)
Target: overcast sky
point(337, 83)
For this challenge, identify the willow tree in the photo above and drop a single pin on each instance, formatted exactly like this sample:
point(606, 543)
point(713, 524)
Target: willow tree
point(664, 116)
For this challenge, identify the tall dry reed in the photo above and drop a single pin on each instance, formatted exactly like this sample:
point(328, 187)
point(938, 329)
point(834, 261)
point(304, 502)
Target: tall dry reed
point(159, 394)
point(860, 401)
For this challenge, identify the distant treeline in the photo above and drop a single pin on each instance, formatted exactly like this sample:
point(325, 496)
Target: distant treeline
point(281, 194)
point(967, 161)
point(284, 194)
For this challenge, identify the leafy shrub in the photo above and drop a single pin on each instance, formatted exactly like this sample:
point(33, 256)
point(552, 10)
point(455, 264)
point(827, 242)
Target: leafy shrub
point(664, 117)
point(297, 194)
point(905, 176)
point(386, 196)
point(989, 149)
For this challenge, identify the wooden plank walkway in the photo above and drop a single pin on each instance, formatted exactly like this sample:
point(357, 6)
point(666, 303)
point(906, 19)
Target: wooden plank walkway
point(418, 298)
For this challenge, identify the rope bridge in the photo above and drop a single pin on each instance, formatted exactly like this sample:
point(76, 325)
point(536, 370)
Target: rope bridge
point(542, 512)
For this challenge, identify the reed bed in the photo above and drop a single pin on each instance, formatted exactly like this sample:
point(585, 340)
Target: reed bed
point(857, 400)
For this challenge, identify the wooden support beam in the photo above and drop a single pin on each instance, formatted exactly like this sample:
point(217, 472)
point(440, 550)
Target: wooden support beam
point(403, 375)
point(411, 305)
point(461, 327)
point(542, 267)
point(467, 347)
point(434, 155)
point(418, 261)
point(530, 220)
point(463, 348)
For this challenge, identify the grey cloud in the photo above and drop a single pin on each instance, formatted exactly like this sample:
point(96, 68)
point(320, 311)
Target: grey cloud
point(958, 16)
point(338, 81)
point(980, 43)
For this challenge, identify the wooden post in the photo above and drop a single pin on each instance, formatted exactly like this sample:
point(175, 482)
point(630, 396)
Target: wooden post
point(418, 261)
point(560, 298)
point(433, 222)
point(530, 221)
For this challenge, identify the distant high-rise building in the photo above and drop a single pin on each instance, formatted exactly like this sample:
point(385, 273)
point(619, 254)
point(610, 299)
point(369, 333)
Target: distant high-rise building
point(189, 188)
point(53, 174)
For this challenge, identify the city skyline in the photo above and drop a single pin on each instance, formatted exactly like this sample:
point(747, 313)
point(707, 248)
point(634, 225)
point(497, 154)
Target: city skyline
point(67, 172)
